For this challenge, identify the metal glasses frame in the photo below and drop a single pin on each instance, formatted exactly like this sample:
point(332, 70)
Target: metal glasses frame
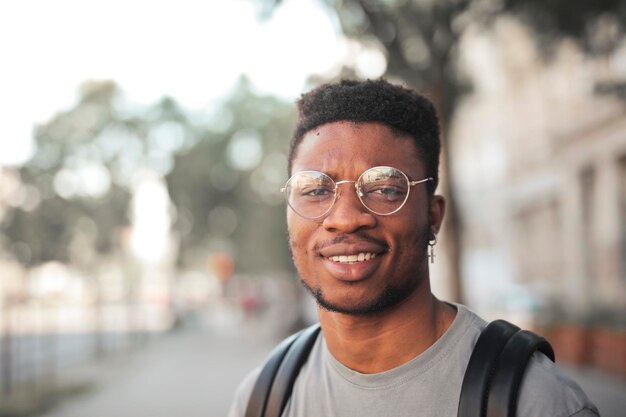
point(357, 189)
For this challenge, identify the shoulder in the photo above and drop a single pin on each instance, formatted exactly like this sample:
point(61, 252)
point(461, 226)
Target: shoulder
point(242, 394)
point(466, 327)
point(547, 390)
point(246, 387)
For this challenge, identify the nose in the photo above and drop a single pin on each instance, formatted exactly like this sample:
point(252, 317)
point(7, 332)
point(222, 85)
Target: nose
point(348, 213)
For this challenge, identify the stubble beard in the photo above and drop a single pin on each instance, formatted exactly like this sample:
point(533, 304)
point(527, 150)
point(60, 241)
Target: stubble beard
point(391, 295)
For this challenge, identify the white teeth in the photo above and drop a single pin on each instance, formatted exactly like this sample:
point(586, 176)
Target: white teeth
point(350, 259)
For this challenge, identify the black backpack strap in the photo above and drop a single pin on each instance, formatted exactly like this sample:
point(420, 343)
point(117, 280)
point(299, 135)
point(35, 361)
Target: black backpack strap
point(496, 368)
point(260, 392)
point(513, 360)
point(273, 387)
point(481, 366)
point(288, 371)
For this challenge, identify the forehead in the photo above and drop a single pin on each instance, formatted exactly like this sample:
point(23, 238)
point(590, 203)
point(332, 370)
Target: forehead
point(348, 148)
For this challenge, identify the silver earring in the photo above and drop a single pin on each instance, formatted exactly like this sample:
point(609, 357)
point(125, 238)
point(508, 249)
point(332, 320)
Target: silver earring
point(431, 249)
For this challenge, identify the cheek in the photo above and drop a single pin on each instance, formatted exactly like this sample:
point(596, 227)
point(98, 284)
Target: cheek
point(412, 240)
point(300, 253)
point(299, 236)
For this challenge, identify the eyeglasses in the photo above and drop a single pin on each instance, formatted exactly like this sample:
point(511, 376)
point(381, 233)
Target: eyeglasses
point(382, 190)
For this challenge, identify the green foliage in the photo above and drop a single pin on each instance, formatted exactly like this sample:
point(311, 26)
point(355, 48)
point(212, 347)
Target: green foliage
point(67, 148)
point(206, 184)
point(598, 25)
point(420, 37)
point(225, 196)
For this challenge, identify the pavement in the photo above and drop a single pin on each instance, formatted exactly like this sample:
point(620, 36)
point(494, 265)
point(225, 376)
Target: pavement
point(194, 372)
point(607, 391)
point(190, 372)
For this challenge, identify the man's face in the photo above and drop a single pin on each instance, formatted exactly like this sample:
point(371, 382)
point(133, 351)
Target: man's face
point(393, 247)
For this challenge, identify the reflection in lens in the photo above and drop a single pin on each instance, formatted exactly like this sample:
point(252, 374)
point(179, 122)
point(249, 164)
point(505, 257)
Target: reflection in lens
point(310, 193)
point(383, 190)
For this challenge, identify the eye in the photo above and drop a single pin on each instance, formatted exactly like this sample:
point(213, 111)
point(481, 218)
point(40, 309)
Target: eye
point(387, 191)
point(316, 192)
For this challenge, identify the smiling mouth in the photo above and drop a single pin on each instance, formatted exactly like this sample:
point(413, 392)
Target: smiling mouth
point(351, 259)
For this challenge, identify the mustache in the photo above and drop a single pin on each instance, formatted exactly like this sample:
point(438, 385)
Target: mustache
point(350, 239)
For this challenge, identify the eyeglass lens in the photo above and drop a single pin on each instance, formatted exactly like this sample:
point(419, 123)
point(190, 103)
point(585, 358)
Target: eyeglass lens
point(382, 190)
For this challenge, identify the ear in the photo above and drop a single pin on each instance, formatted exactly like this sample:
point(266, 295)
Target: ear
point(436, 213)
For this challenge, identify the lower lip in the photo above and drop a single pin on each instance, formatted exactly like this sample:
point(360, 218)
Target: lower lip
point(356, 271)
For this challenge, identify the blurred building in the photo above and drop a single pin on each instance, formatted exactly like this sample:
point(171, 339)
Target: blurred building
point(540, 161)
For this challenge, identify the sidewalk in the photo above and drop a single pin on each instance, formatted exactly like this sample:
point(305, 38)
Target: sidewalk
point(191, 373)
point(608, 392)
point(194, 372)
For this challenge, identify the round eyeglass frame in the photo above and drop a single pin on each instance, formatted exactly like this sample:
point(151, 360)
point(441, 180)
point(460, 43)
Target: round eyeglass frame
point(357, 190)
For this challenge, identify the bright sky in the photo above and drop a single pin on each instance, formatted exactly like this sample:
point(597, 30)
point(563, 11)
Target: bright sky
point(190, 50)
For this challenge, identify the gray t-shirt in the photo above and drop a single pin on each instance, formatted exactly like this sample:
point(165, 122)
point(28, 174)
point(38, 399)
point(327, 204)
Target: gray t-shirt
point(428, 385)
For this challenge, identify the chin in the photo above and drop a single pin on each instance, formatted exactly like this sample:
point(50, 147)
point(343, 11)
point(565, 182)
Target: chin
point(389, 298)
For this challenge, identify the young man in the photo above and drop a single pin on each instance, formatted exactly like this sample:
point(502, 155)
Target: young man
point(362, 214)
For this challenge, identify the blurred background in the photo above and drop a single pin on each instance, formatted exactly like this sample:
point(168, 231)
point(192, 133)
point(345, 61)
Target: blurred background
point(144, 267)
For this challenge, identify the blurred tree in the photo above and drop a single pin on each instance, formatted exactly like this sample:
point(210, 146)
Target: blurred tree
point(82, 172)
point(598, 27)
point(69, 177)
point(226, 188)
point(420, 41)
point(223, 171)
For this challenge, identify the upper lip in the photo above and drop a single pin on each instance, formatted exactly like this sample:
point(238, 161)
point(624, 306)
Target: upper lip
point(348, 249)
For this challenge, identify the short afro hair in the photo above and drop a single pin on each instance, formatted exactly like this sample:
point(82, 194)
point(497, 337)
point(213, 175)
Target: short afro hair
point(401, 109)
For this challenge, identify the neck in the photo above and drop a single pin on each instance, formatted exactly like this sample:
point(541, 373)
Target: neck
point(377, 343)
